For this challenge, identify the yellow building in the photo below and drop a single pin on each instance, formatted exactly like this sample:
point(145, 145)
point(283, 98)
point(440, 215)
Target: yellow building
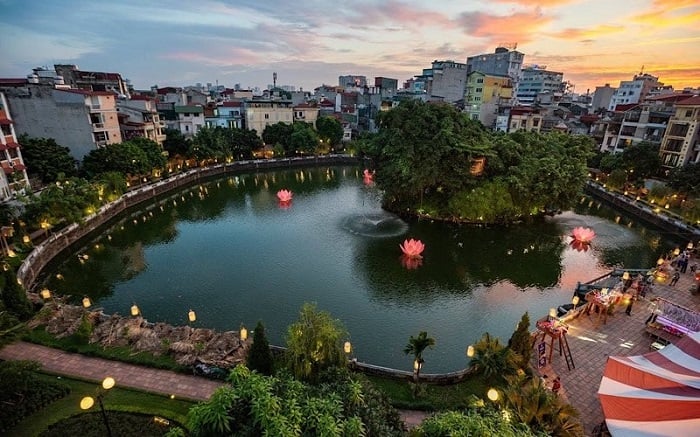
point(484, 94)
point(262, 113)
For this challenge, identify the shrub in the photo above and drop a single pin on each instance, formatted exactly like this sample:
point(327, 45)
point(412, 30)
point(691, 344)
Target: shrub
point(260, 356)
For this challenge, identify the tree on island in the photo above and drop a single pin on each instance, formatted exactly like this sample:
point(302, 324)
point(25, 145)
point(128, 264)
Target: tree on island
point(425, 153)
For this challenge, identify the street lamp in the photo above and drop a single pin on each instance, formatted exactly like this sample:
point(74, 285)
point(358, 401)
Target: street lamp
point(492, 394)
point(88, 401)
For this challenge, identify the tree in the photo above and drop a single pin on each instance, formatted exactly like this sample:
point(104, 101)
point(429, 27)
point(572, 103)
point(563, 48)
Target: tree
point(304, 138)
point(175, 143)
point(279, 133)
point(416, 346)
point(329, 130)
point(641, 160)
point(110, 185)
point(521, 342)
point(155, 158)
point(314, 343)
point(260, 356)
point(127, 158)
point(46, 159)
point(686, 179)
point(68, 200)
point(14, 297)
point(493, 360)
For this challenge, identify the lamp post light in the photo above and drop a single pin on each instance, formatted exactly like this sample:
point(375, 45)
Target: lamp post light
point(575, 301)
point(45, 294)
point(135, 311)
point(493, 394)
point(86, 302)
point(243, 333)
point(88, 401)
point(470, 351)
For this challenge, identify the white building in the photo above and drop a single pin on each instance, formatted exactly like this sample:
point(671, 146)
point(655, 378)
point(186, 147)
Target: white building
point(634, 91)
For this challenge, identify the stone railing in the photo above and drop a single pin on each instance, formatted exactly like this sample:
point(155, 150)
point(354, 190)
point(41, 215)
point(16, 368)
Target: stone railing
point(59, 241)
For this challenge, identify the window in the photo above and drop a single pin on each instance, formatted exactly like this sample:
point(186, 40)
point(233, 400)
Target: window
point(478, 90)
point(480, 80)
point(267, 116)
point(689, 113)
point(187, 128)
point(536, 122)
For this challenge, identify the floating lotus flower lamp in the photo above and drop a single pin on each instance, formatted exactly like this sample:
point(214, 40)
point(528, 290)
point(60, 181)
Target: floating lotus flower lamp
point(412, 248)
point(584, 235)
point(368, 177)
point(284, 196)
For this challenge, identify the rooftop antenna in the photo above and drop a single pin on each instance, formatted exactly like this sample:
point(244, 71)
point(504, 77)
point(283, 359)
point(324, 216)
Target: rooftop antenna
point(274, 79)
point(642, 71)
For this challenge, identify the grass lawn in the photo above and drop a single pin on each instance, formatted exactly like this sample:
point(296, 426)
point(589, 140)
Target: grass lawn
point(119, 399)
point(433, 397)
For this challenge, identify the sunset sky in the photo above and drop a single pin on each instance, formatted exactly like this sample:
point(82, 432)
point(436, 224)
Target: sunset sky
point(309, 43)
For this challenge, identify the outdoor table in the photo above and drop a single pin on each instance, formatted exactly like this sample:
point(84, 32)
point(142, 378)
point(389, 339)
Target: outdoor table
point(602, 303)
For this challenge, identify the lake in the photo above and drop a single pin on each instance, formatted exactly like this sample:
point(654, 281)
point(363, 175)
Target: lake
point(229, 251)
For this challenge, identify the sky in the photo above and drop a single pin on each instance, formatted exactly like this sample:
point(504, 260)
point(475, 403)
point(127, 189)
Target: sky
point(312, 42)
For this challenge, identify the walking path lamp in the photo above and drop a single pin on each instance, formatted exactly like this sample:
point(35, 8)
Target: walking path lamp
point(492, 394)
point(88, 401)
point(86, 302)
point(45, 294)
point(135, 311)
point(243, 333)
point(470, 351)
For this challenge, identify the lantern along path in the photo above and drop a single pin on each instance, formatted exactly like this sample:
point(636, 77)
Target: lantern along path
point(591, 343)
point(165, 382)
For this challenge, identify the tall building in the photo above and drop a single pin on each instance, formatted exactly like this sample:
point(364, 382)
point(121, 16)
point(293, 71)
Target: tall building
point(262, 113)
point(138, 117)
point(504, 61)
point(681, 142)
point(13, 178)
point(634, 91)
point(535, 80)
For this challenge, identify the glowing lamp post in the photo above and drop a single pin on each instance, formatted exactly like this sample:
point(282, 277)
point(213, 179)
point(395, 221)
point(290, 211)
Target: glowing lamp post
point(135, 311)
point(192, 316)
point(626, 276)
point(243, 333)
point(470, 351)
point(86, 302)
point(676, 251)
point(45, 294)
point(660, 261)
point(88, 401)
point(492, 394)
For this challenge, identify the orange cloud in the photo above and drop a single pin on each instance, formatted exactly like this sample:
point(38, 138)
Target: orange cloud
point(671, 13)
point(518, 27)
point(572, 33)
point(536, 3)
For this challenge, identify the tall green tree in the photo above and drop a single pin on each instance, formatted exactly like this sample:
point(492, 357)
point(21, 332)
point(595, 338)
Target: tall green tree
point(521, 342)
point(155, 157)
point(416, 346)
point(279, 133)
point(315, 343)
point(14, 297)
point(175, 143)
point(686, 179)
point(67, 201)
point(304, 139)
point(126, 158)
point(330, 130)
point(46, 159)
point(641, 160)
point(260, 357)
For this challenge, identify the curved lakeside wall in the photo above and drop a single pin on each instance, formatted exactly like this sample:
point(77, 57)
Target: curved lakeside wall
point(59, 241)
point(643, 212)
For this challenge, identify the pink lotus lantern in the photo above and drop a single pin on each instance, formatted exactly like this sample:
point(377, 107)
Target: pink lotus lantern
point(284, 196)
point(412, 248)
point(580, 246)
point(368, 177)
point(583, 235)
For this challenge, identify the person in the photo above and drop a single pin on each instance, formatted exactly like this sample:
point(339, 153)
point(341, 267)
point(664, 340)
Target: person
point(628, 310)
point(675, 278)
point(556, 385)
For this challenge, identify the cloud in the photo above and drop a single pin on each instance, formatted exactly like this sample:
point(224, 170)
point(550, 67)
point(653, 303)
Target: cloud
point(536, 3)
point(586, 34)
point(670, 14)
point(233, 56)
point(518, 27)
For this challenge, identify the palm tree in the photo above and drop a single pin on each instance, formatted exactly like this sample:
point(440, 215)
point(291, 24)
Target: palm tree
point(416, 346)
point(492, 359)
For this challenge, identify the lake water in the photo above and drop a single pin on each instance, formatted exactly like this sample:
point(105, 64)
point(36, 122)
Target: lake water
point(229, 251)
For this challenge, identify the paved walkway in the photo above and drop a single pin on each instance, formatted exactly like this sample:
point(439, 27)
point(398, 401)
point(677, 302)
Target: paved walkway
point(591, 342)
point(79, 366)
point(163, 382)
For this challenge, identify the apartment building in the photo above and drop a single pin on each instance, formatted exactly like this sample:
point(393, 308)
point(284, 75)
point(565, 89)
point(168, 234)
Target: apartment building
point(484, 94)
point(681, 141)
point(190, 119)
point(138, 117)
point(505, 61)
point(306, 112)
point(445, 81)
point(92, 80)
point(525, 118)
point(13, 179)
point(262, 113)
point(536, 80)
point(634, 91)
point(226, 114)
point(79, 119)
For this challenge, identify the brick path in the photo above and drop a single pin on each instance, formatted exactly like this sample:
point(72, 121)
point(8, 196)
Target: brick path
point(126, 375)
point(592, 342)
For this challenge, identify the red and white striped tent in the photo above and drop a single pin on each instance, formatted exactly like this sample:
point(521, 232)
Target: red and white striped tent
point(656, 394)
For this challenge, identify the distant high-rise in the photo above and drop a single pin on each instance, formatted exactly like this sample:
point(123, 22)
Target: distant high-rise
point(536, 79)
point(634, 91)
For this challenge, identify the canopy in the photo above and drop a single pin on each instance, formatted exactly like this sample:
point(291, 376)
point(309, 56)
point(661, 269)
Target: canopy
point(655, 394)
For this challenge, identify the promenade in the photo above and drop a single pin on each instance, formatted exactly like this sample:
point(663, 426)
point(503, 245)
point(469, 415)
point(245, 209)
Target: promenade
point(592, 341)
